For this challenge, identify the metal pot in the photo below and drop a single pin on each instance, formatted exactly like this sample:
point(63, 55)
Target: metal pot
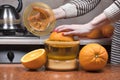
point(9, 17)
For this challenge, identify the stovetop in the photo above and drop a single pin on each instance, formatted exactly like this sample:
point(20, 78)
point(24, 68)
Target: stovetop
point(21, 37)
point(16, 34)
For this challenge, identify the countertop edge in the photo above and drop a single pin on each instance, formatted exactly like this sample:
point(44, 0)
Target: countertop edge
point(38, 41)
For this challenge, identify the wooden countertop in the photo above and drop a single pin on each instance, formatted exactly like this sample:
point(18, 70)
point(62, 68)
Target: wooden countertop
point(18, 72)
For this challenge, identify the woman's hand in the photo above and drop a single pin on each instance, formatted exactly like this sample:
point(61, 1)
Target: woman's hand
point(78, 29)
point(75, 29)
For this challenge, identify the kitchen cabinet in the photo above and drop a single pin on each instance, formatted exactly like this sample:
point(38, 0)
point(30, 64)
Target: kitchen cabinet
point(18, 72)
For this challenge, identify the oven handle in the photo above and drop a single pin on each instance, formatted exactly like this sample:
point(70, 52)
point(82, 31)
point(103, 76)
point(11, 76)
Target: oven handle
point(10, 56)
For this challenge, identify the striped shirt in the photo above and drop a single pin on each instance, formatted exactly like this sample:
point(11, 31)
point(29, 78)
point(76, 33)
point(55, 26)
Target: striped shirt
point(81, 7)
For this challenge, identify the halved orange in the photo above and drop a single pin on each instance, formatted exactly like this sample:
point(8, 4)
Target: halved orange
point(34, 59)
point(58, 36)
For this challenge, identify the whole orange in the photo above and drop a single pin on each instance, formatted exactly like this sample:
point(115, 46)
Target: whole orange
point(107, 30)
point(58, 36)
point(93, 57)
point(95, 34)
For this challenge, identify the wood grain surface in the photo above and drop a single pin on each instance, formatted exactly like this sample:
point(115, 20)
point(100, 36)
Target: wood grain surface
point(19, 72)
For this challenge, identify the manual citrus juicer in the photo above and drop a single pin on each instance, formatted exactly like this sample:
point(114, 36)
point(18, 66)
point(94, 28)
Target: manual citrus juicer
point(61, 55)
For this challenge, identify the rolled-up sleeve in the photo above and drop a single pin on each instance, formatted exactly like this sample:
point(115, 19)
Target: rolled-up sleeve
point(113, 11)
point(79, 7)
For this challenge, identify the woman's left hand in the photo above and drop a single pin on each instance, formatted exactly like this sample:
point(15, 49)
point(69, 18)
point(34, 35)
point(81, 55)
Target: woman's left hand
point(74, 29)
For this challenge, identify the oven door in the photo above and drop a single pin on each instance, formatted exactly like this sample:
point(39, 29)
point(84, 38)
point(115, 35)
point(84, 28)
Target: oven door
point(13, 53)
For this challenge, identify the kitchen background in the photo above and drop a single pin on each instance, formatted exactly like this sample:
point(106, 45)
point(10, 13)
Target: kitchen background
point(56, 3)
point(15, 48)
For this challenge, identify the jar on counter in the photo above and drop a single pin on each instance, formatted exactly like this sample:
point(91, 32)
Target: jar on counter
point(62, 55)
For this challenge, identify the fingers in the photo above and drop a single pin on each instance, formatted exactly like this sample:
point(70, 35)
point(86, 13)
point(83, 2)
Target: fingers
point(73, 33)
point(57, 28)
point(66, 29)
point(63, 28)
point(68, 33)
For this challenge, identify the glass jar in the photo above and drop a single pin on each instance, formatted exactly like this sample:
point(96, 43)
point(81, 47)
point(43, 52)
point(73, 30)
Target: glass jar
point(39, 19)
point(62, 55)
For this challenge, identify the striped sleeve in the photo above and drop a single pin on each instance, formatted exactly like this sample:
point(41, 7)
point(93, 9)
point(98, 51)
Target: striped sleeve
point(79, 7)
point(113, 11)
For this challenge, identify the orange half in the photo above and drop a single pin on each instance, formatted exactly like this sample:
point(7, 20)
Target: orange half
point(34, 59)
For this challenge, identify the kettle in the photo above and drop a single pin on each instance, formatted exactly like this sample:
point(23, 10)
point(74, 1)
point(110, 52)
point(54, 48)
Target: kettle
point(9, 17)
